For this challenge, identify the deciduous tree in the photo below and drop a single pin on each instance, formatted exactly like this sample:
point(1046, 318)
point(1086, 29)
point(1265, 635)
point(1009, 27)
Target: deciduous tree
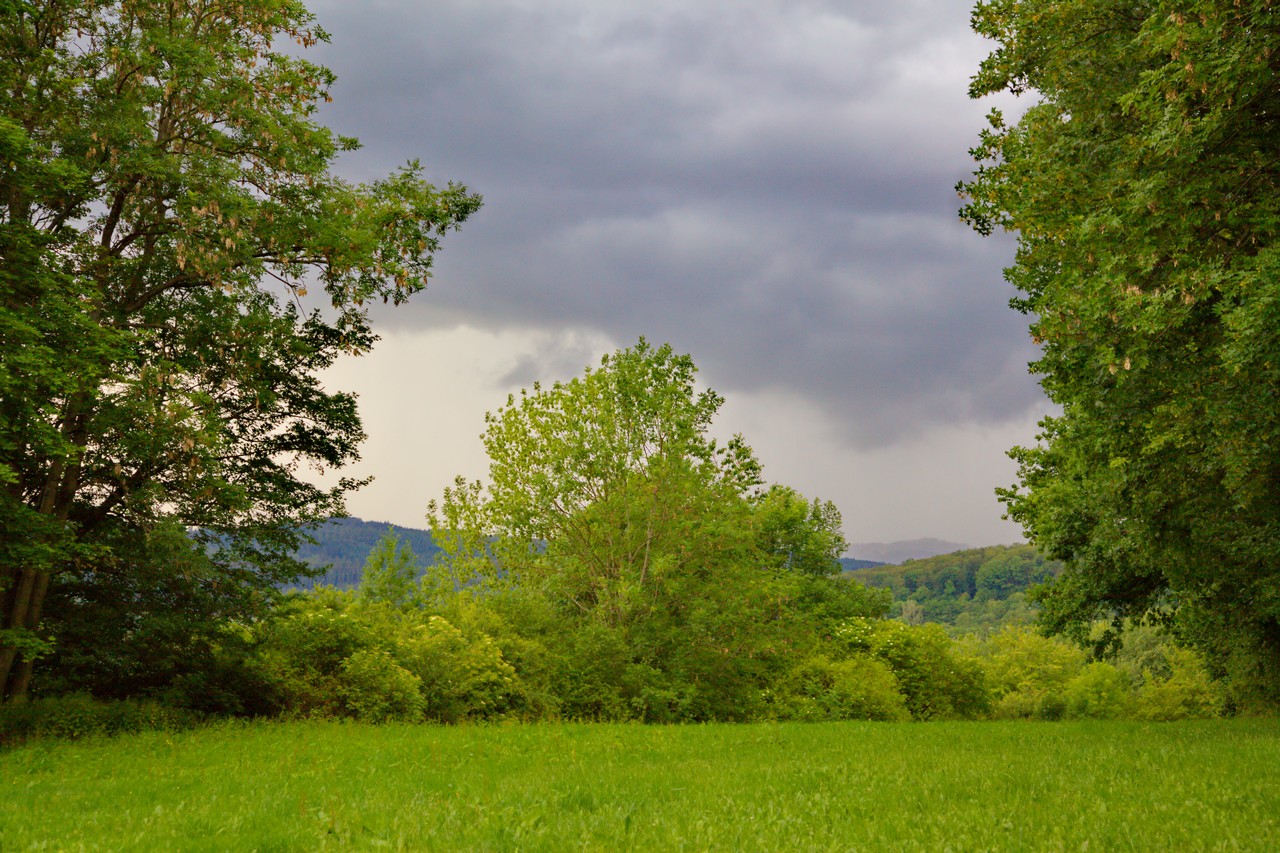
point(1144, 187)
point(655, 545)
point(166, 203)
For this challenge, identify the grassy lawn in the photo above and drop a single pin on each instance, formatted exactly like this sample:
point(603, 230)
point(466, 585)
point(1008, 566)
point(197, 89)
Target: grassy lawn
point(865, 786)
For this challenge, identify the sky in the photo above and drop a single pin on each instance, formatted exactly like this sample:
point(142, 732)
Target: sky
point(766, 185)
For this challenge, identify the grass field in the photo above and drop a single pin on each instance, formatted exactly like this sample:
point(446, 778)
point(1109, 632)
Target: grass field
point(843, 786)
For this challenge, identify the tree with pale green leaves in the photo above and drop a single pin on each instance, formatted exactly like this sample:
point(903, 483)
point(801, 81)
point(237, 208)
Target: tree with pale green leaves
point(656, 546)
point(1144, 188)
point(166, 205)
point(607, 482)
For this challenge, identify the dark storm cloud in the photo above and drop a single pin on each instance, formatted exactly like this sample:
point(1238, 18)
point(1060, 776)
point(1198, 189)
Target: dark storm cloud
point(767, 185)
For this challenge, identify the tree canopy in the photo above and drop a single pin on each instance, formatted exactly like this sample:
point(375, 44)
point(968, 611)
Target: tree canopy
point(1144, 188)
point(608, 499)
point(166, 204)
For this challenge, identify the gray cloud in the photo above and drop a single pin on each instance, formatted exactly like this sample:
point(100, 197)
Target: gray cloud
point(767, 185)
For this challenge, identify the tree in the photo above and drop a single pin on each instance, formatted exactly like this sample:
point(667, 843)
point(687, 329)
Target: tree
point(678, 584)
point(1145, 192)
point(801, 536)
point(609, 481)
point(166, 202)
point(390, 572)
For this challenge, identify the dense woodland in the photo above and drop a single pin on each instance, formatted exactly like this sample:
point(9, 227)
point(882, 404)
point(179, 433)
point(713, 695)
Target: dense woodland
point(167, 201)
point(977, 589)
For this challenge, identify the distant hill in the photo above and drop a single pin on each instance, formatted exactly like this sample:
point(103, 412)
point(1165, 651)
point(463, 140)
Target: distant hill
point(345, 543)
point(849, 564)
point(970, 589)
point(900, 552)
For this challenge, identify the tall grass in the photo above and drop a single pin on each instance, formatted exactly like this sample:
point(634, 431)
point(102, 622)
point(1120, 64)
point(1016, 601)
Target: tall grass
point(1200, 785)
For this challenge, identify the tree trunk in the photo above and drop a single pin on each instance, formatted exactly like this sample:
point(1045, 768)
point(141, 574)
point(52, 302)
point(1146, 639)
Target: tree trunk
point(15, 619)
point(23, 606)
point(21, 680)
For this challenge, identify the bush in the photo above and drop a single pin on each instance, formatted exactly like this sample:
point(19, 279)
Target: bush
point(937, 682)
point(1029, 673)
point(78, 715)
point(301, 653)
point(589, 679)
point(1186, 692)
point(376, 689)
point(331, 654)
point(858, 688)
point(1099, 692)
point(461, 677)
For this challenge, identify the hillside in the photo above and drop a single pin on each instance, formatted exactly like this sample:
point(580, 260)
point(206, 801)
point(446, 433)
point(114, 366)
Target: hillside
point(901, 551)
point(934, 582)
point(345, 543)
point(972, 589)
point(850, 564)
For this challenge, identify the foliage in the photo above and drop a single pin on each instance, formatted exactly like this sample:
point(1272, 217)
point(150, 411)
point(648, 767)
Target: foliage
point(333, 654)
point(147, 619)
point(604, 483)
point(376, 689)
point(670, 588)
point(1028, 673)
point(166, 201)
point(676, 585)
point(937, 680)
point(390, 572)
point(1032, 676)
point(1145, 192)
point(464, 677)
point(1099, 691)
point(797, 535)
point(77, 715)
point(1185, 692)
point(859, 687)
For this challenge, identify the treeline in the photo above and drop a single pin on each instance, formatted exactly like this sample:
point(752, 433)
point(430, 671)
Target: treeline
point(805, 647)
point(787, 647)
point(618, 565)
point(974, 590)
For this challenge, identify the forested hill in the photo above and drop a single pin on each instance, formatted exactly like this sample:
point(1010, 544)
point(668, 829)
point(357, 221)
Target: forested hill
point(970, 589)
point(346, 542)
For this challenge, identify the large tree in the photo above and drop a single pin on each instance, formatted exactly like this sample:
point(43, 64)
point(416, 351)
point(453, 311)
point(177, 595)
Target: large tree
point(166, 202)
point(603, 486)
point(608, 498)
point(1144, 187)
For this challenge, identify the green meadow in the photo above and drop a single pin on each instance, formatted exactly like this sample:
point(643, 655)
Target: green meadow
point(1193, 785)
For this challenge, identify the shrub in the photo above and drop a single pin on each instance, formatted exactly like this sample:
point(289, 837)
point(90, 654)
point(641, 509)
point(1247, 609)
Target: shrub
point(302, 651)
point(857, 688)
point(589, 677)
point(376, 689)
point(1186, 692)
point(1099, 692)
point(935, 679)
point(461, 677)
point(1028, 673)
point(78, 715)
